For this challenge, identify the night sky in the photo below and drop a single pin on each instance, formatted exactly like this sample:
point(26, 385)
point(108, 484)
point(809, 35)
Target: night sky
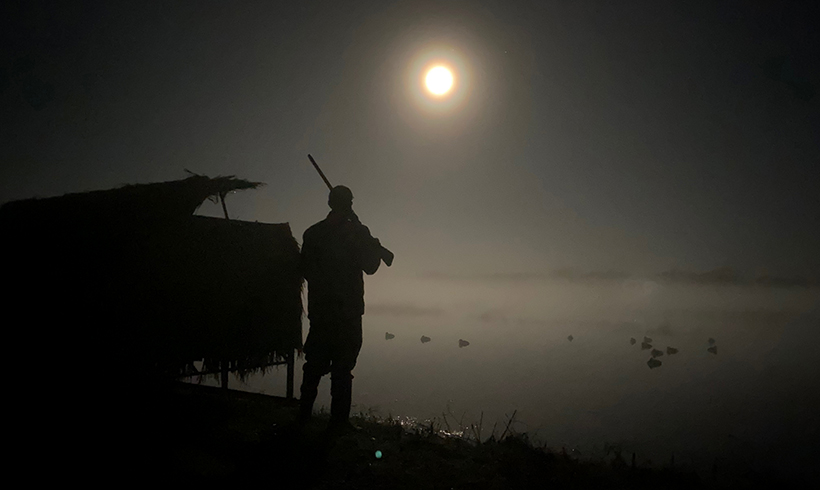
point(628, 136)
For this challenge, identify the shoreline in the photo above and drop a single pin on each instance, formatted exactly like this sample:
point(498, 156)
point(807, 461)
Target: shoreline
point(262, 425)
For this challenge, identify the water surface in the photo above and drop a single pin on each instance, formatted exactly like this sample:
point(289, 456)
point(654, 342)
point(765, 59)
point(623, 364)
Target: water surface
point(754, 402)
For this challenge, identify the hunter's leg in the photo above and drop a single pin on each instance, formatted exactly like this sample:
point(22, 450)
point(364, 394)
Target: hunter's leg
point(317, 363)
point(341, 378)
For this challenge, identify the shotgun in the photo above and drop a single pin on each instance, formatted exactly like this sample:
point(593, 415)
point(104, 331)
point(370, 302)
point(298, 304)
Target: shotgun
point(386, 255)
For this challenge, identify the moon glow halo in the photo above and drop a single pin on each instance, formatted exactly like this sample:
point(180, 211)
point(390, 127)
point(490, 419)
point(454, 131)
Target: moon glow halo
point(439, 80)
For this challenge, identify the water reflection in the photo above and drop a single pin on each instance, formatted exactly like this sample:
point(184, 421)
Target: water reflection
point(763, 391)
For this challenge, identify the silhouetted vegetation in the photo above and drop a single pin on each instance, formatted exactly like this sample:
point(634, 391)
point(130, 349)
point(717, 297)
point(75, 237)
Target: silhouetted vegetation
point(241, 438)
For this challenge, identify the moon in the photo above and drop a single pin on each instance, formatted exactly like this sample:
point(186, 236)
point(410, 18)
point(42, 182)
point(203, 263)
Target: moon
point(439, 80)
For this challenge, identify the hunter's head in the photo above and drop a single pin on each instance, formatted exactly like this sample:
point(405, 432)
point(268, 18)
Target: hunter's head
point(340, 199)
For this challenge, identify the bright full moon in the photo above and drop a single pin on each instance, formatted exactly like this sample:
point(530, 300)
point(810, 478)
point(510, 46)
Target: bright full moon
point(439, 80)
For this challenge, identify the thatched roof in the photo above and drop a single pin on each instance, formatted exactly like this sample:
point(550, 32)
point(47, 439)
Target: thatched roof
point(128, 278)
point(157, 201)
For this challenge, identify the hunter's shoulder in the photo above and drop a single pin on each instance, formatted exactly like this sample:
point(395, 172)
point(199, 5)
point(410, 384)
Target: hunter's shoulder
point(359, 227)
point(313, 231)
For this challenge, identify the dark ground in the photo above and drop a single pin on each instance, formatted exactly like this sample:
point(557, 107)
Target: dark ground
point(199, 435)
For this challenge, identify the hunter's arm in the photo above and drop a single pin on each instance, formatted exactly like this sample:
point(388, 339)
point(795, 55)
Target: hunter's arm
point(369, 251)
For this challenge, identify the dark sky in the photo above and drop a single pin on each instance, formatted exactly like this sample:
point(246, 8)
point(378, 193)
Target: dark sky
point(636, 136)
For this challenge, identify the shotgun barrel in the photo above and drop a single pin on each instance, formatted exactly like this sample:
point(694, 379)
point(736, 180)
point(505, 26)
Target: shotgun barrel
point(321, 174)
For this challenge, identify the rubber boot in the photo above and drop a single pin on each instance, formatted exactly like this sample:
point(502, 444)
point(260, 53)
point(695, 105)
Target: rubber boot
point(309, 391)
point(341, 392)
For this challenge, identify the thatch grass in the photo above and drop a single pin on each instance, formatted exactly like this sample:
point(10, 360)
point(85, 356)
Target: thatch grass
point(162, 201)
point(126, 282)
point(231, 294)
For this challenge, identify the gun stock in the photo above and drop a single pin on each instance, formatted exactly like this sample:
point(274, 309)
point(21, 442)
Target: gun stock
point(387, 257)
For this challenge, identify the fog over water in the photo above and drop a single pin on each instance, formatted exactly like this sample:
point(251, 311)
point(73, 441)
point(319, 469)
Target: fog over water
point(755, 401)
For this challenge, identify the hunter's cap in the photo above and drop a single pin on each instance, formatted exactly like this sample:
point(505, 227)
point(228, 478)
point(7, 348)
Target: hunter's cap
point(340, 197)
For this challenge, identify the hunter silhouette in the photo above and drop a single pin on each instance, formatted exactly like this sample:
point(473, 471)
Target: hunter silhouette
point(335, 252)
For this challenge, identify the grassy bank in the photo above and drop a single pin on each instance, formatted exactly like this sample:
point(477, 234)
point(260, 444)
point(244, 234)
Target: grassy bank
point(197, 434)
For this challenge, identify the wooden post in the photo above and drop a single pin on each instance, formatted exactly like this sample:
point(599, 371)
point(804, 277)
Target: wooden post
point(289, 389)
point(224, 363)
point(225, 375)
point(224, 208)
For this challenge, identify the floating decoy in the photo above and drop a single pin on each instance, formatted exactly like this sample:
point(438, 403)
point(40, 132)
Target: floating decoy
point(657, 352)
point(711, 341)
point(463, 343)
point(653, 363)
point(645, 345)
point(632, 341)
point(712, 349)
point(671, 350)
point(647, 340)
point(425, 339)
point(388, 336)
point(570, 338)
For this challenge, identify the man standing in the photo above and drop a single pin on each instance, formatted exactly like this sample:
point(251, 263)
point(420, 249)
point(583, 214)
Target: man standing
point(335, 252)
